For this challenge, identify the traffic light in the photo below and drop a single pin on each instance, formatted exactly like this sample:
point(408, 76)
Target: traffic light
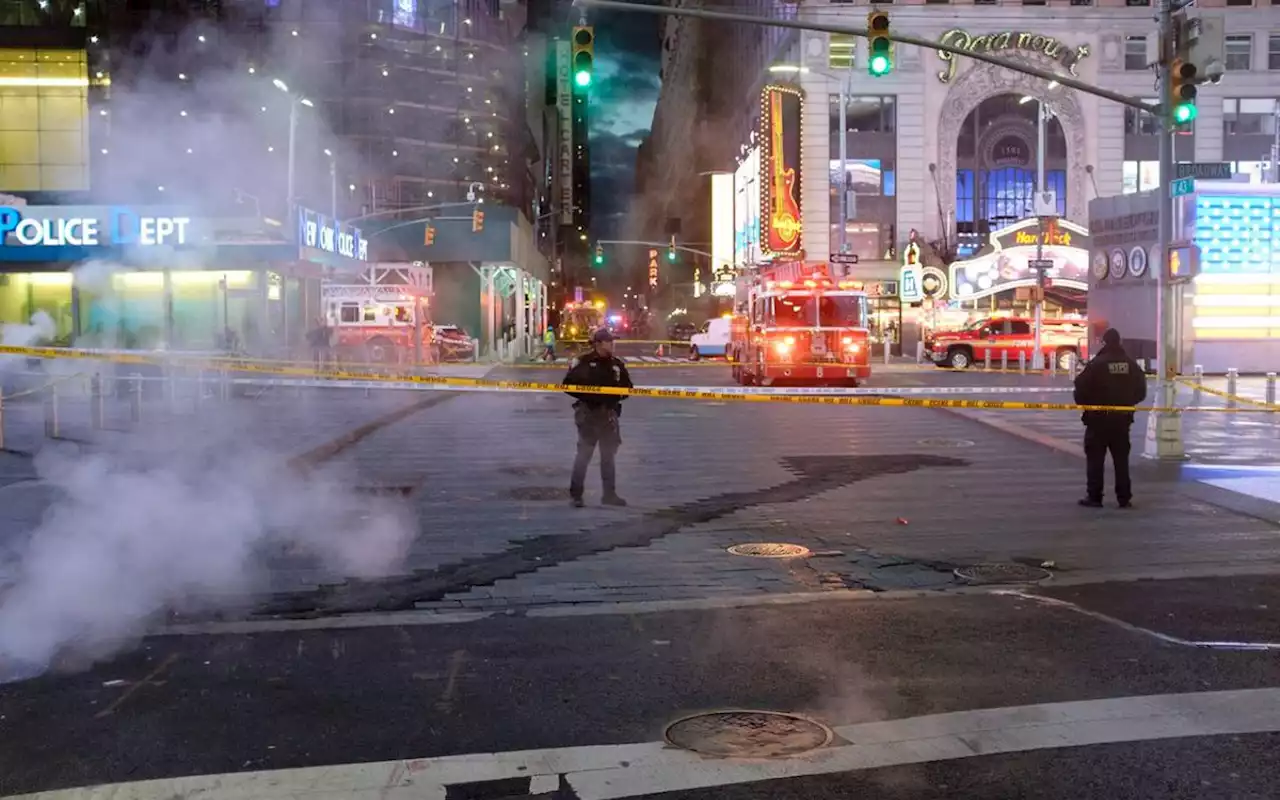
point(1182, 95)
point(880, 62)
point(599, 259)
point(428, 236)
point(477, 221)
point(584, 54)
point(671, 251)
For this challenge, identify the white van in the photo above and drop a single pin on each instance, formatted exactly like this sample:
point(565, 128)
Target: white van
point(711, 339)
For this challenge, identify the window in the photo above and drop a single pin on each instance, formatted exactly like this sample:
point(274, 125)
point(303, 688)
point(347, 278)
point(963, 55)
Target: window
point(985, 2)
point(1239, 51)
point(349, 313)
point(866, 177)
point(1137, 2)
point(864, 114)
point(1081, 2)
point(1135, 53)
point(1019, 328)
point(1248, 117)
point(1034, 2)
point(370, 314)
point(1273, 52)
point(1239, 2)
point(44, 130)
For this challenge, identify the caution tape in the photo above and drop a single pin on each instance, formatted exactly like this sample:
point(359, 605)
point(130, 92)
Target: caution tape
point(1199, 387)
point(829, 397)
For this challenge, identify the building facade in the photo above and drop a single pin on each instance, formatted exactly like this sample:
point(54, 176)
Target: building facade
point(946, 146)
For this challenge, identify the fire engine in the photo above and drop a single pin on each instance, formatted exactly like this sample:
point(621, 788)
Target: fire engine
point(808, 329)
point(379, 320)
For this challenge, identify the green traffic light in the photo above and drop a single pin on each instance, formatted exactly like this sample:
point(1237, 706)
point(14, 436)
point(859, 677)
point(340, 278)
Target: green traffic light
point(671, 255)
point(599, 260)
point(1184, 113)
point(582, 78)
point(880, 65)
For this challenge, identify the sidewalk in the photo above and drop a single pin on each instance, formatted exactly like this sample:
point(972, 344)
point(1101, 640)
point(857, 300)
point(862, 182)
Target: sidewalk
point(886, 498)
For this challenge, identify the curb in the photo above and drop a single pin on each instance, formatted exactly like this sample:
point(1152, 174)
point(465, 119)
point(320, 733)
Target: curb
point(1014, 429)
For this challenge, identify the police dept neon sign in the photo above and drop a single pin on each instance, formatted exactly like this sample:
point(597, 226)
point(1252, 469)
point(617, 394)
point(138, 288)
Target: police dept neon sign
point(116, 228)
point(331, 236)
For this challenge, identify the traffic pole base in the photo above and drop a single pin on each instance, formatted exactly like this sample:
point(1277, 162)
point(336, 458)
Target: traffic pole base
point(1164, 437)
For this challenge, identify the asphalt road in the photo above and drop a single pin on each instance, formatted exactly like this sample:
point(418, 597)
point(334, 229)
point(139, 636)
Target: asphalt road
point(190, 705)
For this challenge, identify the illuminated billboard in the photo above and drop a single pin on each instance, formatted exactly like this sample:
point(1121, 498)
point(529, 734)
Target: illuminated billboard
point(721, 221)
point(746, 210)
point(780, 113)
point(1006, 265)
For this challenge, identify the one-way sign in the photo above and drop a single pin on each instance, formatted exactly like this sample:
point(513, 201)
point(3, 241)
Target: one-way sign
point(844, 258)
point(1040, 263)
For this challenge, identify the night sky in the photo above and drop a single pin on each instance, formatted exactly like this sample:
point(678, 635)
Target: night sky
point(623, 95)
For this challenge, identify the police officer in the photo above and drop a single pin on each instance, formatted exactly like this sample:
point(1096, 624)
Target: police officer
point(1110, 379)
point(596, 416)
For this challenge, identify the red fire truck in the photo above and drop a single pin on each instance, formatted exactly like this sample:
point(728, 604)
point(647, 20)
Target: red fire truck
point(810, 329)
point(378, 321)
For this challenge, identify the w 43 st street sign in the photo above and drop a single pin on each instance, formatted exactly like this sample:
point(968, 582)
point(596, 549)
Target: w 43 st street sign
point(1182, 186)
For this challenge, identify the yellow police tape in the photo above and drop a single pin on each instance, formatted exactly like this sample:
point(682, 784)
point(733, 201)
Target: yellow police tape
point(242, 366)
point(1228, 396)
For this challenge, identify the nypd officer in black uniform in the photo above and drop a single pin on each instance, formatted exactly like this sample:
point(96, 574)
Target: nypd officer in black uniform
point(596, 416)
point(1110, 379)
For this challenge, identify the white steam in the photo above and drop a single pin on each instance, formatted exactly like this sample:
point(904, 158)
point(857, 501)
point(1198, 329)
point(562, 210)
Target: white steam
point(128, 542)
point(41, 329)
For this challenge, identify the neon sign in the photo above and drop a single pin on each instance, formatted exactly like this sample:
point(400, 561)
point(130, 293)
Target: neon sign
point(118, 227)
point(781, 110)
point(331, 236)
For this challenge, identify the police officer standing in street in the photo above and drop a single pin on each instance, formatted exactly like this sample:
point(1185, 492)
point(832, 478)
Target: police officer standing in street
point(596, 416)
point(1112, 378)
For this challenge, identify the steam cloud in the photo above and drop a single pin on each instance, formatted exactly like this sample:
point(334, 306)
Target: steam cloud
point(133, 536)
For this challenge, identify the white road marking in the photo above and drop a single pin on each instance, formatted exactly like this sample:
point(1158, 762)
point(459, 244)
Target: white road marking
point(619, 771)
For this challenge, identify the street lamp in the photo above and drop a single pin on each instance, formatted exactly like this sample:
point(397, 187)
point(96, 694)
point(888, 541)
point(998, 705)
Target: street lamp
point(333, 184)
point(294, 102)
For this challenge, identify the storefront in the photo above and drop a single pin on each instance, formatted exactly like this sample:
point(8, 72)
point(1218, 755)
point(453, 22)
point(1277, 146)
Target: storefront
point(149, 278)
point(1224, 263)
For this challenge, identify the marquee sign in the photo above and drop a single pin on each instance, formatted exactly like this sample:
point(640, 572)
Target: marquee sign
point(653, 269)
point(1006, 265)
point(1040, 44)
point(319, 232)
point(780, 113)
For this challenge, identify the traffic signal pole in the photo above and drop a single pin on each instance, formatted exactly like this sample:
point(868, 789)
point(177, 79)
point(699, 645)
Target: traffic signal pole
point(1164, 429)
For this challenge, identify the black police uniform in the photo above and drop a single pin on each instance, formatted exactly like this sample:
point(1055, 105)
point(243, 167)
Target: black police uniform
point(596, 416)
point(1110, 379)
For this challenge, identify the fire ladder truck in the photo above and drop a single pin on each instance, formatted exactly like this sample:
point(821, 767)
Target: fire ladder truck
point(385, 318)
point(806, 329)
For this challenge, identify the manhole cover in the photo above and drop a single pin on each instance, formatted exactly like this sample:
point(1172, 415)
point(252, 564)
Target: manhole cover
point(748, 734)
point(769, 550)
point(941, 443)
point(526, 470)
point(537, 493)
point(1002, 573)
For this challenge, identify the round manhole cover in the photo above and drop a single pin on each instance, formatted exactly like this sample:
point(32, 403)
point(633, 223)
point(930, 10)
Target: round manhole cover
point(748, 734)
point(769, 550)
point(943, 443)
point(1002, 573)
point(537, 493)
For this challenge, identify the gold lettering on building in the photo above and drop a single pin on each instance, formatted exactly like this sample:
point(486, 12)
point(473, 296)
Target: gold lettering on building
point(1046, 46)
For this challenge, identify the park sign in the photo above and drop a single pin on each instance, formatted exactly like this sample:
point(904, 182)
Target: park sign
point(995, 43)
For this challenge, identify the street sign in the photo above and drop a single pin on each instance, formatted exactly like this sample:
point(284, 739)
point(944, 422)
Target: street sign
point(1205, 171)
point(1182, 186)
point(1040, 263)
point(844, 258)
point(1045, 204)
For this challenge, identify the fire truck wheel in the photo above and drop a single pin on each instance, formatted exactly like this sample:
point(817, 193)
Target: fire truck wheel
point(379, 351)
point(959, 358)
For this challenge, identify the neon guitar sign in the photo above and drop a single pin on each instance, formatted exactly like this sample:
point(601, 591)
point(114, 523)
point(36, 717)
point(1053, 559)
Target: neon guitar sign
point(780, 116)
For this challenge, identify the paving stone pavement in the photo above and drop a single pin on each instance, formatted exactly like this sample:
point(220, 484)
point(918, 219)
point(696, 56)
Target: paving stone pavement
point(1011, 500)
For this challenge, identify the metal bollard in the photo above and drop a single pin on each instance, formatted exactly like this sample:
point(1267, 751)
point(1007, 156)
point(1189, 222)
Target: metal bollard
point(1004, 360)
point(1071, 364)
point(171, 380)
point(1052, 362)
point(1196, 395)
point(135, 397)
point(1233, 377)
point(199, 395)
point(888, 350)
point(51, 413)
point(1270, 395)
point(919, 352)
point(97, 403)
point(1, 422)
point(1022, 361)
point(986, 360)
point(225, 388)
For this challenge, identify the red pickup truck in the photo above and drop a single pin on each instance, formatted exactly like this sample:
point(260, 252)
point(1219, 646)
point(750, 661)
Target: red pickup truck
point(1061, 340)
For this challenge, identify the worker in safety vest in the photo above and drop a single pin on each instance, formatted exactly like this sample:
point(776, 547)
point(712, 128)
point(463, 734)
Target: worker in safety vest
point(549, 344)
